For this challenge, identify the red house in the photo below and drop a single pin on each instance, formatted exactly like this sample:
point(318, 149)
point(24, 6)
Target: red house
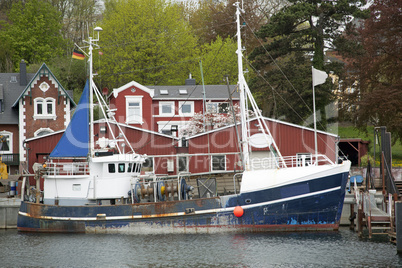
point(166, 109)
point(31, 105)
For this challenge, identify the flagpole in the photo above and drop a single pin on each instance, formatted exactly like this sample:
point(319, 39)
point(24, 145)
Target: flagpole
point(315, 120)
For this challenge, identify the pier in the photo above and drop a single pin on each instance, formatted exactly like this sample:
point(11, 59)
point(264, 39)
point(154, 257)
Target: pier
point(9, 203)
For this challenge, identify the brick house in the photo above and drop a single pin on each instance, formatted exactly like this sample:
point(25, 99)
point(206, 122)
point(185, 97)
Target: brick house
point(31, 105)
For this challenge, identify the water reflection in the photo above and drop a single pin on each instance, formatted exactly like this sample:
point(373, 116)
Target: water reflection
point(334, 249)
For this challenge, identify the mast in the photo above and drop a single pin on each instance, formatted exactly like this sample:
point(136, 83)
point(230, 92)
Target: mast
point(246, 153)
point(92, 41)
point(91, 105)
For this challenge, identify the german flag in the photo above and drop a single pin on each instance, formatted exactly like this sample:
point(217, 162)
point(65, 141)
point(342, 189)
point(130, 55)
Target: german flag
point(78, 55)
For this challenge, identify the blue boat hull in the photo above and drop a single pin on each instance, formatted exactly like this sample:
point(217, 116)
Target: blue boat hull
point(311, 205)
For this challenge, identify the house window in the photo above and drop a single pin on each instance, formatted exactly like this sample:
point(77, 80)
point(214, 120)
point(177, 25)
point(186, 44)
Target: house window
point(44, 108)
point(166, 108)
point(182, 164)
point(43, 131)
point(223, 107)
point(134, 109)
point(6, 142)
point(212, 107)
point(186, 108)
point(44, 86)
point(164, 92)
point(218, 162)
point(218, 107)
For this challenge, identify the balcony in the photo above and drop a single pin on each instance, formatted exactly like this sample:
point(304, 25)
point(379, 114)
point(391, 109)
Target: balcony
point(10, 159)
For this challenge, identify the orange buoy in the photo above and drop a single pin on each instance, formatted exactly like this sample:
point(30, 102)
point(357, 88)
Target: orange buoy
point(238, 211)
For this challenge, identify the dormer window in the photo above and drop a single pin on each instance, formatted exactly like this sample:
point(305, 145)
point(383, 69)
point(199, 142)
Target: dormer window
point(164, 92)
point(44, 108)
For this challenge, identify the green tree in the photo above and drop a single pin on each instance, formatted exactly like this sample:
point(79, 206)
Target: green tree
point(297, 34)
point(146, 41)
point(33, 33)
point(218, 60)
point(78, 17)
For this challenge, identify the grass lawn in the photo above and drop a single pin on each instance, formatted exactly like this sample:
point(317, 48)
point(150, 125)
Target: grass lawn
point(351, 132)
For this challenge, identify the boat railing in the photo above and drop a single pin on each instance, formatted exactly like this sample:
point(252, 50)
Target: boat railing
point(289, 161)
point(67, 168)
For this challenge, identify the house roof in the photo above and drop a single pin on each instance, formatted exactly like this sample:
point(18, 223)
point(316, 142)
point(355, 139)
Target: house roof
point(11, 89)
point(116, 91)
point(212, 92)
point(44, 70)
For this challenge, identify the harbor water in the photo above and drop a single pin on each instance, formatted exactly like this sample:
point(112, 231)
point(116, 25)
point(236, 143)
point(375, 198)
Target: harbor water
point(325, 249)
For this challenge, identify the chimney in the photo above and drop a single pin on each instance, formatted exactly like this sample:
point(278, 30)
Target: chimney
point(23, 73)
point(190, 81)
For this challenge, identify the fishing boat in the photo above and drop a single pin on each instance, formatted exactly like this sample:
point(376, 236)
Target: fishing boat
point(87, 190)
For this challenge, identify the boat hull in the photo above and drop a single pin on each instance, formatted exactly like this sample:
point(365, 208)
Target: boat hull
point(303, 206)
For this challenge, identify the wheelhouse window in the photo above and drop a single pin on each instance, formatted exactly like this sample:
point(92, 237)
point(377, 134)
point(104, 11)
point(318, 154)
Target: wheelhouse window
point(44, 108)
point(166, 108)
point(111, 168)
point(134, 109)
point(122, 167)
point(137, 168)
point(130, 167)
point(186, 108)
point(218, 162)
point(6, 142)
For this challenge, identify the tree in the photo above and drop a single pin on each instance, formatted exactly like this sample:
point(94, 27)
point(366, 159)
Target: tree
point(211, 19)
point(33, 33)
point(211, 119)
point(146, 41)
point(218, 60)
point(372, 94)
point(297, 34)
point(78, 17)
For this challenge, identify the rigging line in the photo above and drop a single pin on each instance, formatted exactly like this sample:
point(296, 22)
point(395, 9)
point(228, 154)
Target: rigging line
point(274, 90)
point(276, 64)
point(185, 100)
point(213, 60)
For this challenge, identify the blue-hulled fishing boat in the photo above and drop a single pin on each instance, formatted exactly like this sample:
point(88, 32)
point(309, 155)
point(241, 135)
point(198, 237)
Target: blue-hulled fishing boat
point(78, 180)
